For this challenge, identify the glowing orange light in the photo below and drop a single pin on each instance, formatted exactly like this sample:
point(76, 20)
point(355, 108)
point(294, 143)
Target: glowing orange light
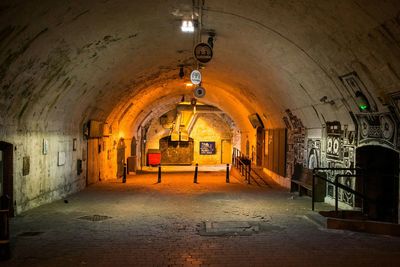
point(189, 84)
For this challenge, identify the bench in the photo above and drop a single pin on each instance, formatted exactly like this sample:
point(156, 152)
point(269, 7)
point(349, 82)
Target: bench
point(301, 182)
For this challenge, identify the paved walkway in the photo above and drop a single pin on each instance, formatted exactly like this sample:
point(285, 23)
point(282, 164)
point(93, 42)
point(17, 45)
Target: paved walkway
point(150, 224)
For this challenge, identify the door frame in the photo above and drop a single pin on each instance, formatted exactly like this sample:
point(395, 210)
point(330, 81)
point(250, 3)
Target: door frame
point(8, 173)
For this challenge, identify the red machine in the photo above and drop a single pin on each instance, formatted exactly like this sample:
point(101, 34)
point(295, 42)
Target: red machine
point(153, 157)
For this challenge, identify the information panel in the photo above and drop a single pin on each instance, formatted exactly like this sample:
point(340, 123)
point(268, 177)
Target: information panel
point(207, 148)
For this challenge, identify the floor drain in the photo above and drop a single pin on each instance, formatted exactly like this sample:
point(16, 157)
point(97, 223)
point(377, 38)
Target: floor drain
point(95, 218)
point(30, 233)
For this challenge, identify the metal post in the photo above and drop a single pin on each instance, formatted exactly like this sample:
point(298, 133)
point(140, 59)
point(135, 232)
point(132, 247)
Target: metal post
point(227, 173)
point(124, 174)
point(248, 174)
point(196, 169)
point(159, 174)
point(313, 192)
point(336, 193)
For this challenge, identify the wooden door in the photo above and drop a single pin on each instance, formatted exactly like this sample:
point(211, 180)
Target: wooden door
point(93, 162)
point(120, 157)
point(226, 151)
point(260, 146)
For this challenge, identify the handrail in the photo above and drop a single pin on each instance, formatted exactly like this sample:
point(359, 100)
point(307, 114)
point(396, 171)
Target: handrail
point(339, 185)
point(259, 176)
point(348, 189)
point(237, 160)
point(243, 170)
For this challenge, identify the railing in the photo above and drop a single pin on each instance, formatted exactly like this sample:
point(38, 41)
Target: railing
point(243, 164)
point(359, 173)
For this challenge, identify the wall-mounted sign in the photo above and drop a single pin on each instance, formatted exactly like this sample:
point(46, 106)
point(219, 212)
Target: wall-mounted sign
point(61, 158)
point(45, 147)
point(195, 77)
point(207, 148)
point(203, 52)
point(25, 165)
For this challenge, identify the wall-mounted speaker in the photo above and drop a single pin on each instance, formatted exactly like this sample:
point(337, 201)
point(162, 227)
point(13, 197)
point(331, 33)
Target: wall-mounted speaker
point(199, 92)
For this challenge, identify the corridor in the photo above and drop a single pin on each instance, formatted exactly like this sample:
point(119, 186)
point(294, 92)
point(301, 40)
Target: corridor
point(304, 92)
point(150, 224)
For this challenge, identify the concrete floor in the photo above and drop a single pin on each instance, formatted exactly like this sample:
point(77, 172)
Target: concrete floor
point(159, 224)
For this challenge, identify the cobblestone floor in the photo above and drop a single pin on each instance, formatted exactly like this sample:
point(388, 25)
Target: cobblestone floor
point(158, 225)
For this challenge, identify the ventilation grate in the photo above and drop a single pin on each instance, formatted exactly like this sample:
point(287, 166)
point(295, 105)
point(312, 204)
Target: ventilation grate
point(95, 218)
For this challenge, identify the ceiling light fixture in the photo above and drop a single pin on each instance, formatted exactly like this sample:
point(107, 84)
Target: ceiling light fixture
point(187, 26)
point(181, 72)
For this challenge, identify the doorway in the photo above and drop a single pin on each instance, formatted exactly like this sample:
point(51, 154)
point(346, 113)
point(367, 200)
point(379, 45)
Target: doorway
point(6, 172)
point(260, 146)
point(226, 151)
point(381, 181)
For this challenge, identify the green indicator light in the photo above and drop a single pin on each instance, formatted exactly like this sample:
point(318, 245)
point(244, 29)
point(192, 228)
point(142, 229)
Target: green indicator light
point(363, 107)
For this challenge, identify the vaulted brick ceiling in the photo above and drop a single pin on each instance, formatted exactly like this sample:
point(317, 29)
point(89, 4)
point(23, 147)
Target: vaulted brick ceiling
point(65, 62)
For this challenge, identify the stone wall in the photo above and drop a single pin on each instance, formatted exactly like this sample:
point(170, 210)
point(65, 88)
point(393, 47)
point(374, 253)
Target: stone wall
point(45, 167)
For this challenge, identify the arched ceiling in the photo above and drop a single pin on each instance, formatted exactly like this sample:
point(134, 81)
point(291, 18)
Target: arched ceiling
point(65, 62)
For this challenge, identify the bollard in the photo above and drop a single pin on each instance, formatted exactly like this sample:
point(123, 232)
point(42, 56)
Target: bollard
point(196, 169)
point(159, 174)
point(227, 173)
point(124, 175)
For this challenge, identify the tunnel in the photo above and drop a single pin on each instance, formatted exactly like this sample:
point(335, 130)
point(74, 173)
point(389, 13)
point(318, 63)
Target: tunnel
point(94, 91)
